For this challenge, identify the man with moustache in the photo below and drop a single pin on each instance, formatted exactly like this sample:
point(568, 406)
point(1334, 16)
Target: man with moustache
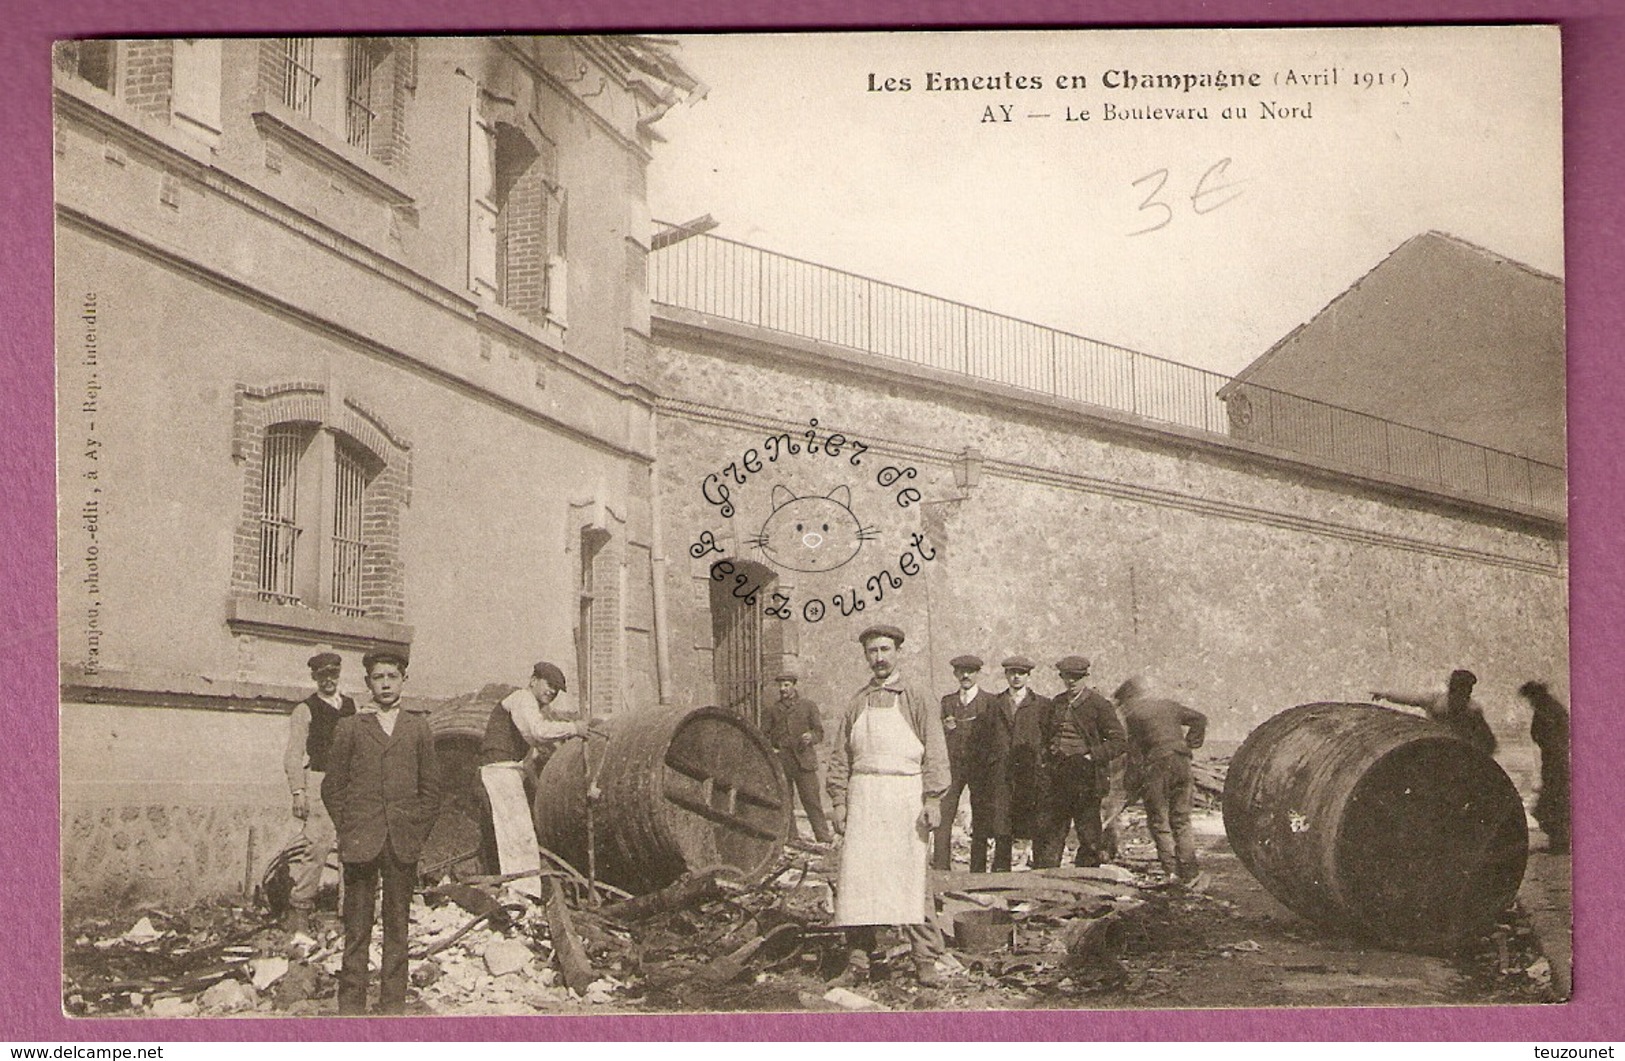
point(1010, 739)
point(310, 735)
point(887, 773)
point(960, 711)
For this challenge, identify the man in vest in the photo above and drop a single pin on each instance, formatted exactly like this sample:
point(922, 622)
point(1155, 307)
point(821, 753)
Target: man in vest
point(520, 727)
point(310, 735)
point(1081, 738)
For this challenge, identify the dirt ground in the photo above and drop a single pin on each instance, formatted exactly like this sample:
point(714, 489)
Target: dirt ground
point(1230, 945)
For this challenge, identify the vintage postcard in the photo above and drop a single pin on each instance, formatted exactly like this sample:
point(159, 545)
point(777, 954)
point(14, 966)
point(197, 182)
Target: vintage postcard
point(560, 525)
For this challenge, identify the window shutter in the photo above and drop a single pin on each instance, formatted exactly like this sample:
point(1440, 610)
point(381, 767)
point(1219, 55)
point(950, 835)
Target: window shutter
point(482, 209)
point(197, 82)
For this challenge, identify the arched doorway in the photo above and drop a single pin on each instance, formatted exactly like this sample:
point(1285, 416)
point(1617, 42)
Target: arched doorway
point(747, 647)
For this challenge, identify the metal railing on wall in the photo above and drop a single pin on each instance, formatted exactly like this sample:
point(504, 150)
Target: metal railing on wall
point(737, 282)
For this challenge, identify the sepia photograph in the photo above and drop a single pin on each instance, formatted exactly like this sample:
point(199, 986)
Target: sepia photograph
point(827, 522)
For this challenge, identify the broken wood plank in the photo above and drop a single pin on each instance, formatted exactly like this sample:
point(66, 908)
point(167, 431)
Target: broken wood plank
point(688, 890)
point(573, 964)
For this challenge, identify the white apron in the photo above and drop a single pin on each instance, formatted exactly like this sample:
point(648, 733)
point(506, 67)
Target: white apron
point(882, 879)
point(516, 835)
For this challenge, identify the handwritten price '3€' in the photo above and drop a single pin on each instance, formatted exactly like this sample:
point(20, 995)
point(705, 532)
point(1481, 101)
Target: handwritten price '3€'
point(1213, 190)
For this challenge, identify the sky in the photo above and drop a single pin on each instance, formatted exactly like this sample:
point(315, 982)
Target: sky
point(796, 149)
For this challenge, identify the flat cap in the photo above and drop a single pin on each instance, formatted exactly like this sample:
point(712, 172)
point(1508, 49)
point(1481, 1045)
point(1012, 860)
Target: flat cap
point(787, 676)
point(324, 660)
point(384, 655)
point(550, 674)
point(966, 663)
point(1073, 664)
point(1017, 663)
point(884, 630)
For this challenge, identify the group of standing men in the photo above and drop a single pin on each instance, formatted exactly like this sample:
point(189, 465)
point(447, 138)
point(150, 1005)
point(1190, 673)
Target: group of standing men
point(1032, 767)
point(1039, 768)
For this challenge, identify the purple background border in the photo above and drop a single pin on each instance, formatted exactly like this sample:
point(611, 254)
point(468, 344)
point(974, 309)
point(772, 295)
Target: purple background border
point(30, 943)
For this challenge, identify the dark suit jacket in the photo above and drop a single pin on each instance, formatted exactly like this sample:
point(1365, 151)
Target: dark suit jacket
point(963, 756)
point(382, 787)
point(1010, 742)
point(784, 723)
point(1096, 719)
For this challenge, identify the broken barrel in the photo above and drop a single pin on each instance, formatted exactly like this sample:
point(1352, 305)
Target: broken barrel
point(1381, 823)
point(680, 790)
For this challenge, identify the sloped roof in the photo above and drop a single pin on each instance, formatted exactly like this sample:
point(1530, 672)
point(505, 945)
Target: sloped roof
point(1441, 334)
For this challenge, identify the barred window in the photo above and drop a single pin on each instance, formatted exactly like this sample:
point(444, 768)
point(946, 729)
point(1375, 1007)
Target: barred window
point(299, 77)
point(285, 445)
point(349, 545)
point(341, 84)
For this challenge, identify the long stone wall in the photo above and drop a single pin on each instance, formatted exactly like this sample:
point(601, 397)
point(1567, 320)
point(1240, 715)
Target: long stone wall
point(1237, 583)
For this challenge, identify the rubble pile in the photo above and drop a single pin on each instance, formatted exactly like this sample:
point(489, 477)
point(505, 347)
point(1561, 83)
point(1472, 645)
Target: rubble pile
point(1117, 935)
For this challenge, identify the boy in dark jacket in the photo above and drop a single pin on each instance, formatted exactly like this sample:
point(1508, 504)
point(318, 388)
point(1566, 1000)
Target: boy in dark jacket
point(383, 792)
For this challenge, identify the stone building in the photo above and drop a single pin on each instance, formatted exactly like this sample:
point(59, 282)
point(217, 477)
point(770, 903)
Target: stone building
point(358, 321)
point(363, 343)
point(1077, 497)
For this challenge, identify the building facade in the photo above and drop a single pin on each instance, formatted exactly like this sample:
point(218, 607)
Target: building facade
point(362, 343)
point(349, 330)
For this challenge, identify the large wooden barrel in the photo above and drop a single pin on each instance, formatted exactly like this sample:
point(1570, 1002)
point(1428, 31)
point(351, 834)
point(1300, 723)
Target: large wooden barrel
point(682, 789)
point(458, 840)
point(1381, 823)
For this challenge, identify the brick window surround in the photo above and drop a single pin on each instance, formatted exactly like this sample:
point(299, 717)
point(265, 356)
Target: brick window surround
point(517, 215)
point(317, 547)
point(354, 87)
point(597, 547)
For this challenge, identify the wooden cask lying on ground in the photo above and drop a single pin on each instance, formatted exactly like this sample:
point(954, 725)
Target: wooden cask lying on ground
point(1381, 823)
point(682, 789)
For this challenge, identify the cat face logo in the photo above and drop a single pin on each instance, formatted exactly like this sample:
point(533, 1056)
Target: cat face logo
point(811, 534)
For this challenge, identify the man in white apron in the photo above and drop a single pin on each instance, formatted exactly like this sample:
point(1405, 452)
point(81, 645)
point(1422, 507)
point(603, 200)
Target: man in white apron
point(888, 770)
point(517, 727)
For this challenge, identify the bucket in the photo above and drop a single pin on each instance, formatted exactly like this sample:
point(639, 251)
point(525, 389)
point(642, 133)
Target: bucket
point(682, 789)
point(984, 930)
point(1380, 823)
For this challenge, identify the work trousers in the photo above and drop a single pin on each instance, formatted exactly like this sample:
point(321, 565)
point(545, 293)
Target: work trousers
point(1168, 791)
point(1071, 797)
point(361, 881)
point(1003, 849)
point(942, 850)
point(805, 782)
point(318, 832)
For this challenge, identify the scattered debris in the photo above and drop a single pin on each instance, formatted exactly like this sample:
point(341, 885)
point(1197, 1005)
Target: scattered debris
point(1107, 936)
point(851, 1000)
point(267, 971)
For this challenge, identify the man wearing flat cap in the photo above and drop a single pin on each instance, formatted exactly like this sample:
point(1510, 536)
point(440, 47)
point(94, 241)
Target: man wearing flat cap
point(521, 732)
point(793, 727)
point(383, 791)
point(1082, 736)
point(960, 711)
point(1010, 736)
point(310, 736)
point(887, 773)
